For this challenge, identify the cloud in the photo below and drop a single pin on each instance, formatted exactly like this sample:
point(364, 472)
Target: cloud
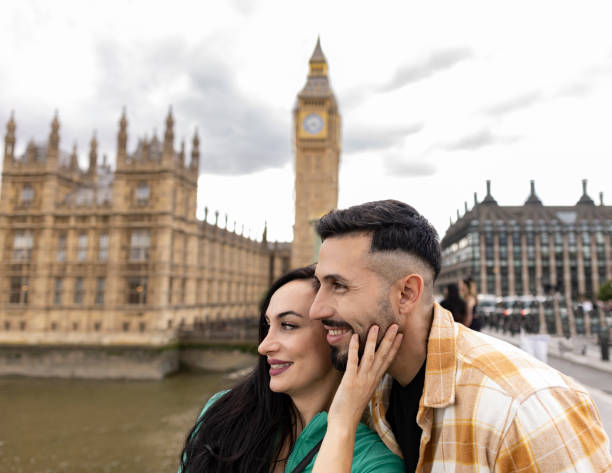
point(477, 140)
point(401, 166)
point(517, 103)
point(436, 62)
point(238, 135)
point(576, 89)
point(357, 139)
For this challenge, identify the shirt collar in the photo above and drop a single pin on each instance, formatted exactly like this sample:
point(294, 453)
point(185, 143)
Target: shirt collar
point(441, 363)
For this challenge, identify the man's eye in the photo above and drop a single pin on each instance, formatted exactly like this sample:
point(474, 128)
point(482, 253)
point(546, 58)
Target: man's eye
point(338, 286)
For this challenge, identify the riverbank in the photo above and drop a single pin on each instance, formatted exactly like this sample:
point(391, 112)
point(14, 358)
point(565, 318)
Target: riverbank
point(123, 359)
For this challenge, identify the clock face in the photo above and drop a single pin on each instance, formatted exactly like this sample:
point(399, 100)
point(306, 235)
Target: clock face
point(313, 123)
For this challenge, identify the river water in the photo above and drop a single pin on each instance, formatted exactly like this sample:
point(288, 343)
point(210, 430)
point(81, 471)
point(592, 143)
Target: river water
point(70, 426)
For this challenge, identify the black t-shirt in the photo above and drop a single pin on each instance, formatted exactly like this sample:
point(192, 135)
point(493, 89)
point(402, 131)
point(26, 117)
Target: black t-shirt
point(401, 415)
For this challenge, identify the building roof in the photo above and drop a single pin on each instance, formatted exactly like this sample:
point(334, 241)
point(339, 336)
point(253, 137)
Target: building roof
point(532, 212)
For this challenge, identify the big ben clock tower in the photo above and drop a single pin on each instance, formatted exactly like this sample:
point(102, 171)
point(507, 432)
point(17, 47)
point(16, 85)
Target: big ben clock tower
point(316, 131)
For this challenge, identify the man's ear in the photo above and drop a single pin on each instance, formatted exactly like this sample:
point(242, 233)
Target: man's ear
point(411, 291)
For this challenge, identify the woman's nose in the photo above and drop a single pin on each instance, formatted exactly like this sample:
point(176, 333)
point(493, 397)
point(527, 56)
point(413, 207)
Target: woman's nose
point(268, 344)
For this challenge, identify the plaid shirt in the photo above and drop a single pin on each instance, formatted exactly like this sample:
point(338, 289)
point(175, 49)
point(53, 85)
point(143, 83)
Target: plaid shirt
point(487, 406)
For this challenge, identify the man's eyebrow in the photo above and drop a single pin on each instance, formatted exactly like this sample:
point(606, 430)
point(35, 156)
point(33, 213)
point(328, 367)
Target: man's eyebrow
point(334, 277)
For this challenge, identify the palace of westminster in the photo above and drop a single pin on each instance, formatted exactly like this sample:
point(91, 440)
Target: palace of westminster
point(116, 252)
point(102, 251)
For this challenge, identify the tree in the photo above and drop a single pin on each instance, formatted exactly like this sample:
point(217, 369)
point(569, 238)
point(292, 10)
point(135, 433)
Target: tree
point(605, 291)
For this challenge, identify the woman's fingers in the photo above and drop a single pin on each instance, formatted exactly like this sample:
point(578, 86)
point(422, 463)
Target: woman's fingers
point(353, 355)
point(384, 354)
point(367, 358)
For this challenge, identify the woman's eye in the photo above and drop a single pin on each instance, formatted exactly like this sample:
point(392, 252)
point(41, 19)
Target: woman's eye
point(288, 326)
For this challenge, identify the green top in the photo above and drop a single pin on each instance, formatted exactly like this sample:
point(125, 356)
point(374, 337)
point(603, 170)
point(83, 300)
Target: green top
point(370, 454)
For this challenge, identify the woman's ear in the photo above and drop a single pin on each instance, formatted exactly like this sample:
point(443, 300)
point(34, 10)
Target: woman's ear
point(411, 288)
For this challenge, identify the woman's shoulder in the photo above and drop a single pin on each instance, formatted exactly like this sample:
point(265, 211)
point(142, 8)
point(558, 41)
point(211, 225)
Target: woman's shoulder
point(371, 455)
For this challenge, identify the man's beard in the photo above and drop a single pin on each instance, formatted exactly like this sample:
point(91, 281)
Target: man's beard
point(384, 318)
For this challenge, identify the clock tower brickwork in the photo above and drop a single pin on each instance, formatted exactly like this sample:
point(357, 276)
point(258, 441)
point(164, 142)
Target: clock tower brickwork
point(317, 137)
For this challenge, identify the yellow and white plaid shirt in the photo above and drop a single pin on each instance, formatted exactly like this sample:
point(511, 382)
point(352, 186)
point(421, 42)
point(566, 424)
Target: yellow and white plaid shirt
point(489, 407)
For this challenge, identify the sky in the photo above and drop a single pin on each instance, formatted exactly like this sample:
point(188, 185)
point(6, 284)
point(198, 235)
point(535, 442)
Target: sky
point(435, 97)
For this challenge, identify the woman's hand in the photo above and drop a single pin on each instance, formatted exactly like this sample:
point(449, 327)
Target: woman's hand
point(362, 377)
point(355, 390)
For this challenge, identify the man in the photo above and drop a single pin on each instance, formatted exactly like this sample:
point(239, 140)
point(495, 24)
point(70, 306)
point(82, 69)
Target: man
point(453, 399)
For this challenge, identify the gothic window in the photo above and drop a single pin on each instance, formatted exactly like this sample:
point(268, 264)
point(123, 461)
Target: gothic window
point(22, 245)
point(183, 284)
point(103, 247)
point(78, 290)
point(19, 290)
point(61, 247)
point(100, 287)
point(137, 290)
point(139, 245)
point(82, 247)
point(142, 193)
point(27, 195)
point(57, 291)
point(84, 196)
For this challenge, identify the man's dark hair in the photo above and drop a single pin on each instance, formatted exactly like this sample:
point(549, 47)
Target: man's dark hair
point(394, 225)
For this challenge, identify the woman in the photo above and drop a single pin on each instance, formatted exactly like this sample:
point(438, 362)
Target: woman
point(274, 419)
point(469, 293)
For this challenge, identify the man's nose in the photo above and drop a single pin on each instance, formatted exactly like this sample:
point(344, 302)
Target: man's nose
point(320, 308)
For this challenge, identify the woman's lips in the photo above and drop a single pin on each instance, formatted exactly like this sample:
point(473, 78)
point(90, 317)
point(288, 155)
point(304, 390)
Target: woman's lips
point(278, 366)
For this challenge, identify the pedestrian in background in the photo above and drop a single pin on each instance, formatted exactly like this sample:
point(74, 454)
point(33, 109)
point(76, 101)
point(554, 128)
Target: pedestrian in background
point(469, 293)
point(454, 303)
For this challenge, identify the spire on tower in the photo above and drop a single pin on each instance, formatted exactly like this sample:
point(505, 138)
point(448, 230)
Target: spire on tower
point(9, 139)
point(93, 154)
point(169, 136)
point(74, 158)
point(195, 153)
point(122, 139)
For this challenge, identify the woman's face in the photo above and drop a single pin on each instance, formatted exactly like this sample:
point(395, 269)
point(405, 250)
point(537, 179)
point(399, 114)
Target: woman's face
point(296, 348)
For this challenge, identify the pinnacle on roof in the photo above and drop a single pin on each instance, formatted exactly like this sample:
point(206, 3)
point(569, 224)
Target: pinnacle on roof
point(489, 198)
point(585, 199)
point(533, 199)
point(317, 54)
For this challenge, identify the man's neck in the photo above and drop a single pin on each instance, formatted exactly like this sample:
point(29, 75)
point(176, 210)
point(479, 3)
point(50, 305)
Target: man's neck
point(413, 350)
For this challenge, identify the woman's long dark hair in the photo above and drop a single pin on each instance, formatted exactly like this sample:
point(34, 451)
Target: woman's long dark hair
point(245, 429)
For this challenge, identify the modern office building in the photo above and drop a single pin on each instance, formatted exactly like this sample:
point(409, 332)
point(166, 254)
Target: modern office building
point(531, 249)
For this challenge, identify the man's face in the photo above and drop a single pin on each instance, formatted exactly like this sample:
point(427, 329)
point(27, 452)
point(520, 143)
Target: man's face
point(352, 296)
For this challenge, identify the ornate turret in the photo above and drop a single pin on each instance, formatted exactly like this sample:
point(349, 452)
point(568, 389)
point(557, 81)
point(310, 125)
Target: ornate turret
point(489, 200)
point(195, 154)
point(122, 139)
point(74, 158)
point(533, 199)
point(585, 199)
point(168, 151)
point(264, 237)
point(9, 141)
point(54, 139)
point(93, 155)
point(182, 154)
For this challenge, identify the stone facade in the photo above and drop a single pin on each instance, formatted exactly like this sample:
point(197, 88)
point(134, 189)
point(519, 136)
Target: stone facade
point(96, 252)
point(317, 138)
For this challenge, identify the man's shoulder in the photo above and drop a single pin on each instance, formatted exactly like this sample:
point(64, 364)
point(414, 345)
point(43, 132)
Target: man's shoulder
point(492, 363)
